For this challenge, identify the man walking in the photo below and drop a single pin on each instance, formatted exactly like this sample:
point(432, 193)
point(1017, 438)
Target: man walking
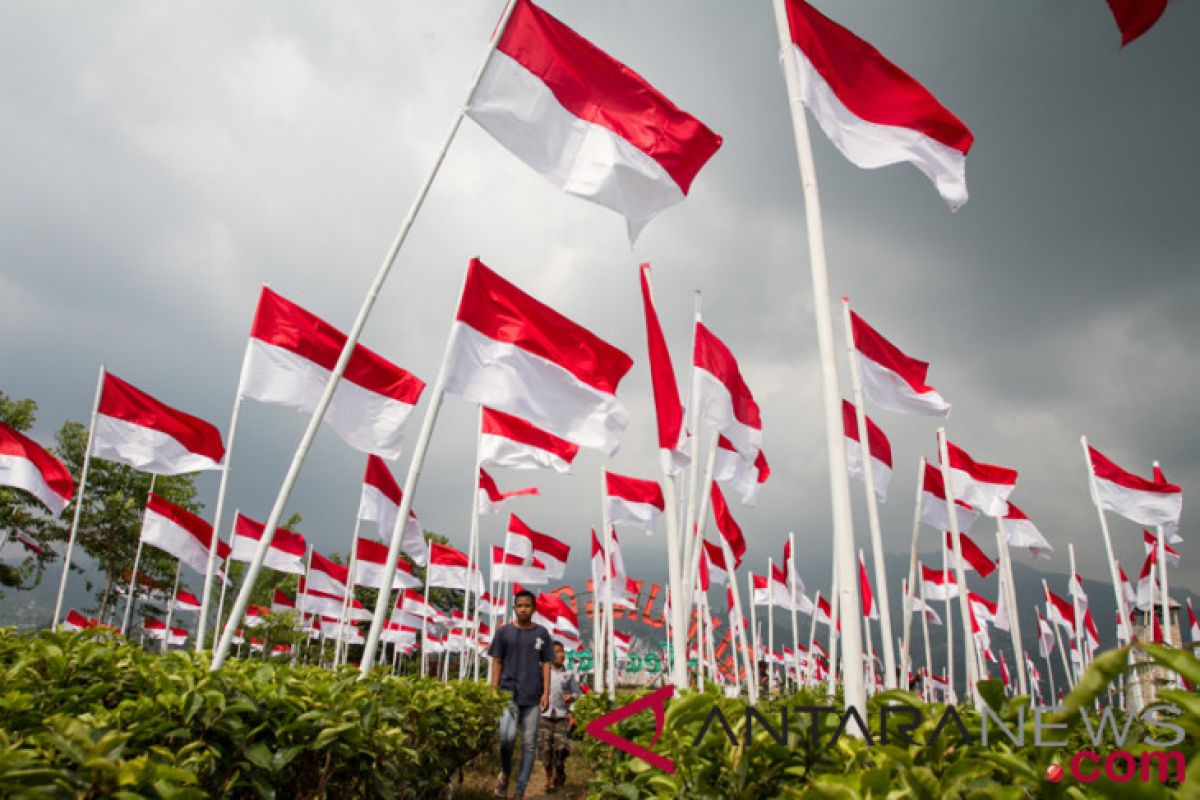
point(552, 733)
point(521, 665)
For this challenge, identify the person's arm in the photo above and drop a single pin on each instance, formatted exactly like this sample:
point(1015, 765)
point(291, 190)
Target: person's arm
point(497, 668)
point(545, 703)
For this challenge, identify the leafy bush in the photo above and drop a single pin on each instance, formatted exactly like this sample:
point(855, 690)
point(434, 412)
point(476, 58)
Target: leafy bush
point(85, 716)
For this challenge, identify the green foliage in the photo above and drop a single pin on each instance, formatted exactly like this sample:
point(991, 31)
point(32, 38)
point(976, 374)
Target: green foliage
point(84, 716)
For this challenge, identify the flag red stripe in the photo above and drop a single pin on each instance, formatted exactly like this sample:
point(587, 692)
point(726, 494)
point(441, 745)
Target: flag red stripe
point(498, 423)
point(284, 541)
point(54, 474)
point(634, 490)
point(1104, 468)
point(878, 444)
point(984, 473)
point(667, 407)
point(713, 356)
point(871, 344)
point(185, 519)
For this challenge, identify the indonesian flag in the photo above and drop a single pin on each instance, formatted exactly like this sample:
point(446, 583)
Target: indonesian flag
point(512, 567)
point(398, 634)
point(186, 601)
point(869, 609)
point(414, 603)
point(919, 605)
point(487, 604)
point(326, 576)
point(509, 441)
point(598, 577)
point(380, 503)
point(448, 569)
point(289, 359)
point(157, 629)
point(587, 123)
point(1019, 531)
point(632, 501)
point(1045, 636)
point(713, 558)
point(281, 603)
point(1075, 590)
point(983, 608)
point(1133, 497)
point(736, 473)
point(938, 585)
point(985, 486)
point(1127, 590)
point(286, 553)
point(1158, 631)
point(74, 621)
point(1146, 582)
point(1093, 635)
point(315, 601)
point(791, 576)
point(1060, 611)
point(526, 542)
point(1193, 625)
point(177, 531)
point(940, 682)
point(135, 429)
point(27, 542)
point(622, 642)
point(880, 448)
point(545, 611)
point(568, 620)
point(825, 612)
point(26, 465)
point(721, 395)
point(933, 504)
point(1004, 672)
point(727, 525)
point(1171, 529)
point(891, 379)
point(872, 111)
point(370, 558)
point(973, 557)
point(1135, 17)
point(490, 497)
point(1151, 543)
point(511, 352)
point(673, 449)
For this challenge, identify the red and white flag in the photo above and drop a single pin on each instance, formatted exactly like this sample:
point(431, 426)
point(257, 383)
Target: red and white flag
point(526, 542)
point(938, 585)
point(1060, 611)
point(413, 602)
point(1171, 529)
point(327, 576)
point(825, 612)
point(509, 441)
point(1147, 584)
point(872, 111)
point(487, 603)
point(27, 542)
point(1075, 590)
point(186, 601)
point(512, 568)
point(973, 556)
point(1151, 543)
point(177, 531)
point(922, 607)
point(891, 379)
point(1127, 590)
point(511, 352)
point(1093, 635)
point(721, 395)
point(933, 504)
point(1135, 17)
point(285, 554)
point(713, 560)
point(622, 642)
point(673, 449)
point(985, 486)
point(1193, 625)
point(26, 465)
point(370, 558)
point(879, 446)
point(1147, 502)
point(448, 569)
point(380, 503)
point(730, 531)
point(568, 620)
point(1045, 636)
point(632, 501)
point(545, 611)
point(737, 474)
point(1019, 531)
point(869, 609)
point(281, 603)
point(74, 621)
point(490, 497)
point(586, 122)
point(157, 629)
point(985, 610)
point(135, 429)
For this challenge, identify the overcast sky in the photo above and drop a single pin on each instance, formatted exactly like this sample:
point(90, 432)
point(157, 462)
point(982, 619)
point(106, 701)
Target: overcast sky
point(162, 161)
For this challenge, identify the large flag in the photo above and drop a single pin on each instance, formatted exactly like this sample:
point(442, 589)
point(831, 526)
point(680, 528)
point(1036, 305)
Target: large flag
point(177, 531)
point(891, 379)
point(1135, 17)
point(973, 556)
point(509, 441)
point(721, 395)
point(1019, 531)
point(587, 123)
point(985, 486)
point(938, 585)
point(369, 560)
point(673, 448)
point(285, 554)
point(872, 111)
point(933, 504)
point(26, 465)
point(511, 352)
point(727, 525)
point(1147, 502)
point(738, 474)
point(512, 568)
point(878, 445)
point(526, 543)
point(290, 357)
point(1151, 543)
point(490, 497)
point(379, 502)
point(135, 429)
point(448, 569)
point(632, 501)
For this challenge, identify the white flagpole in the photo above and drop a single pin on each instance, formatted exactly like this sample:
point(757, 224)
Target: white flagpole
point(699, 524)
point(679, 590)
point(1168, 638)
point(751, 675)
point(225, 583)
point(694, 494)
point(87, 460)
point(341, 646)
point(471, 556)
point(734, 627)
point(755, 638)
point(293, 472)
point(709, 644)
point(812, 637)
point(791, 576)
point(608, 588)
point(424, 623)
point(905, 649)
point(1049, 670)
point(137, 560)
point(925, 632)
point(171, 607)
point(1054, 626)
point(771, 626)
point(870, 644)
point(834, 633)
point(1079, 634)
point(206, 595)
point(1010, 597)
point(949, 621)
point(959, 572)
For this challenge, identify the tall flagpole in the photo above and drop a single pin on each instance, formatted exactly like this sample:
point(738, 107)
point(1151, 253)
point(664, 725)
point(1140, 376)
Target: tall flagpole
point(1161, 544)
point(905, 650)
point(870, 644)
point(791, 576)
point(925, 631)
point(812, 637)
point(959, 572)
point(1010, 597)
point(751, 675)
point(341, 647)
point(87, 460)
point(472, 566)
point(699, 524)
point(225, 581)
point(206, 595)
point(310, 433)
point(171, 607)
point(608, 586)
point(1073, 594)
point(949, 621)
point(755, 639)
point(694, 493)
point(137, 560)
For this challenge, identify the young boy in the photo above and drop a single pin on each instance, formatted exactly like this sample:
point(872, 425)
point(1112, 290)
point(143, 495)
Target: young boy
point(520, 665)
point(552, 733)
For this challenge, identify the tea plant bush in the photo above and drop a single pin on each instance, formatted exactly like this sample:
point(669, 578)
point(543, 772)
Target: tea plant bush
point(84, 716)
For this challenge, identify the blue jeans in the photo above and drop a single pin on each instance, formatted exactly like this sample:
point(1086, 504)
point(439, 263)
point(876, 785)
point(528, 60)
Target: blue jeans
point(527, 717)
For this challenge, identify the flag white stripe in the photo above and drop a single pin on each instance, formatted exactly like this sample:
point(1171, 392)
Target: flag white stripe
point(145, 449)
point(24, 474)
point(715, 405)
point(880, 472)
point(164, 534)
point(500, 451)
point(887, 389)
point(1144, 508)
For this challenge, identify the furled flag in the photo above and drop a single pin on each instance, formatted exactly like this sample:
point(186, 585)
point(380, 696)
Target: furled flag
point(281, 603)
point(869, 609)
point(1004, 671)
point(598, 579)
point(673, 449)
point(289, 358)
point(825, 612)
point(1127, 590)
point(713, 559)
point(511, 352)
point(1151, 543)
point(26, 465)
point(1045, 636)
point(186, 601)
point(370, 557)
point(490, 497)
point(177, 531)
point(380, 503)
point(327, 576)
point(1060, 611)
point(933, 504)
point(973, 556)
point(891, 379)
point(880, 449)
point(919, 605)
point(736, 473)
point(792, 580)
point(286, 553)
point(721, 395)
point(1019, 531)
point(1147, 502)
point(727, 525)
point(448, 569)
point(1093, 635)
point(526, 542)
point(633, 502)
point(985, 486)
point(1193, 625)
point(872, 111)
point(1135, 17)
point(1146, 582)
point(938, 584)
point(1076, 592)
point(587, 123)
point(984, 609)
point(512, 567)
point(135, 429)
point(508, 441)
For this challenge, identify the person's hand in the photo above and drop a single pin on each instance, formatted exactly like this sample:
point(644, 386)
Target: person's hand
point(545, 703)
point(568, 697)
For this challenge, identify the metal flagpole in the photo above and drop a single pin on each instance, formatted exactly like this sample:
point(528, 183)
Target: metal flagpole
point(949, 621)
point(870, 644)
point(87, 460)
point(1010, 597)
point(791, 576)
point(771, 626)
point(834, 632)
point(341, 646)
point(812, 637)
point(293, 472)
point(925, 632)
point(690, 537)
point(137, 560)
point(206, 595)
point(1079, 634)
point(1168, 637)
point(608, 586)
point(959, 572)
point(424, 623)
point(471, 556)
point(171, 607)
point(755, 639)
point(225, 583)
point(751, 676)
point(905, 651)
point(679, 600)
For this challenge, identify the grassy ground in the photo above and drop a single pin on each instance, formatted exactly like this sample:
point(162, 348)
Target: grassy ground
point(479, 780)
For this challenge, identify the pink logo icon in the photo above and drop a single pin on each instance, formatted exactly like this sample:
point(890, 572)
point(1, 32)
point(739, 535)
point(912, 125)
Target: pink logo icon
point(601, 727)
